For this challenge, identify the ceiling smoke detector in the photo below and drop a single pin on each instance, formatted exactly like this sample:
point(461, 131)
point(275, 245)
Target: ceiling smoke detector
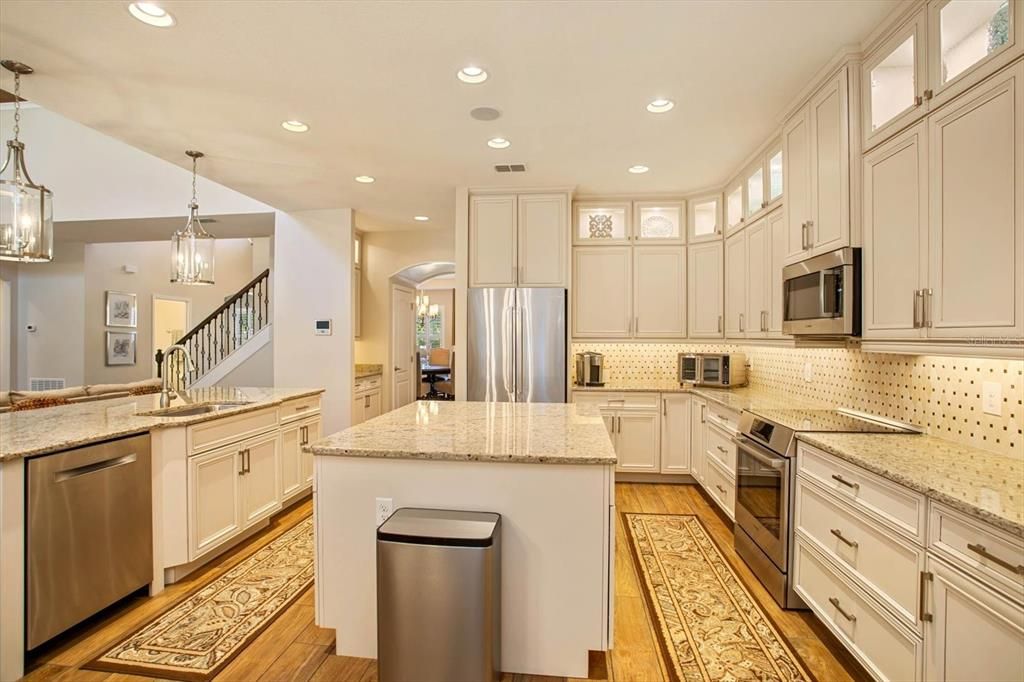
point(510, 168)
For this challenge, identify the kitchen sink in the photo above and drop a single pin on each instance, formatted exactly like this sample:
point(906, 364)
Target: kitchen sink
point(195, 410)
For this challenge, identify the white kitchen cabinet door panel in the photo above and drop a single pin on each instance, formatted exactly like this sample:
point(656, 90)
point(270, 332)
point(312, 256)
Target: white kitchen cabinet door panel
point(704, 290)
point(704, 218)
point(896, 236)
point(636, 442)
point(976, 272)
point(313, 428)
point(830, 167)
point(675, 433)
point(796, 173)
point(659, 291)
point(698, 410)
point(734, 201)
point(777, 226)
point(214, 490)
point(543, 240)
point(492, 241)
point(974, 634)
point(758, 294)
point(291, 456)
point(602, 292)
point(260, 483)
point(735, 285)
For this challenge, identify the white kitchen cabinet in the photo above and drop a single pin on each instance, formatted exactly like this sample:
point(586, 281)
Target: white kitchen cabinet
point(357, 303)
point(773, 168)
point(704, 290)
point(492, 240)
point(896, 236)
point(777, 226)
point(735, 285)
point(542, 231)
point(659, 291)
point(698, 412)
point(214, 499)
point(602, 292)
point(366, 399)
point(659, 222)
point(734, 202)
point(261, 483)
point(796, 173)
point(313, 433)
point(894, 79)
point(976, 211)
point(759, 279)
point(291, 456)
point(704, 218)
point(974, 632)
point(603, 222)
point(636, 441)
point(675, 433)
point(754, 190)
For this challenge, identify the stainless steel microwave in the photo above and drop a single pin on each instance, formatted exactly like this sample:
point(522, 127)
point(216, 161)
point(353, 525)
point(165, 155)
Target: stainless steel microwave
point(713, 369)
point(821, 295)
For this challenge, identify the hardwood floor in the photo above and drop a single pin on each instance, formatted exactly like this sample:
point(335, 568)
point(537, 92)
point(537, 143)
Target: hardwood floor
point(293, 648)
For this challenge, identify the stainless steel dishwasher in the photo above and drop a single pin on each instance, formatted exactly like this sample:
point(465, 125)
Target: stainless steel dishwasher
point(89, 532)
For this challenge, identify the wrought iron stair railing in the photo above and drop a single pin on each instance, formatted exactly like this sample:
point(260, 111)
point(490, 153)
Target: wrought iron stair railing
point(220, 334)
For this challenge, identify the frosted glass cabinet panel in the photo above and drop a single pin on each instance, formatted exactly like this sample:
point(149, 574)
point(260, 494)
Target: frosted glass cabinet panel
point(775, 173)
point(893, 84)
point(755, 191)
point(970, 31)
point(705, 218)
point(659, 222)
point(602, 223)
point(734, 206)
point(895, 81)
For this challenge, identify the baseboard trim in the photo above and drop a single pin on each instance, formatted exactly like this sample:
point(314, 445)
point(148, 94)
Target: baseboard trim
point(636, 477)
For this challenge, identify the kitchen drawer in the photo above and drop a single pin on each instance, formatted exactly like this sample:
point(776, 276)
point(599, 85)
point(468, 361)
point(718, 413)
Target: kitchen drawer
point(724, 417)
point(368, 384)
point(619, 400)
point(966, 542)
point(885, 564)
point(887, 650)
point(218, 432)
point(719, 447)
point(297, 409)
point(895, 506)
point(721, 487)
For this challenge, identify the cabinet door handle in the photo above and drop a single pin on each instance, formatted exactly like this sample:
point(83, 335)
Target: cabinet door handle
point(922, 613)
point(741, 322)
point(721, 449)
point(703, 414)
point(636, 324)
point(764, 320)
point(928, 94)
point(810, 235)
point(664, 407)
point(848, 616)
point(803, 235)
point(981, 551)
point(918, 101)
point(918, 307)
point(928, 308)
point(241, 462)
point(848, 484)
point(839, 534)
point(719, 324)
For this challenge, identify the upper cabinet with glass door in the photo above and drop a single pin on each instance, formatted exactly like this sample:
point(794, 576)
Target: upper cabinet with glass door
point(937, 53)
point(704, 218)
point(763, 182)
point(734, 205)
point(606, 222)
point(659, 222)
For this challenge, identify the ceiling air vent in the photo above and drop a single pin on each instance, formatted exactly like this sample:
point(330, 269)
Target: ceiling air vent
point(510, 168)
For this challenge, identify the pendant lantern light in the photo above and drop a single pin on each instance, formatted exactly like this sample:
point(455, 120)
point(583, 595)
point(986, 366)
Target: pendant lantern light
point(26, 209)
point(192, 247)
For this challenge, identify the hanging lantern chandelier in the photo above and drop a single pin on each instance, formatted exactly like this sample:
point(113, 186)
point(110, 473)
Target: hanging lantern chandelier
point(26, 209)
point(192, 247)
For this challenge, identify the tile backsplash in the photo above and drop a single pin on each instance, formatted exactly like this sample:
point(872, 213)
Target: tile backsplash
point(941, 394)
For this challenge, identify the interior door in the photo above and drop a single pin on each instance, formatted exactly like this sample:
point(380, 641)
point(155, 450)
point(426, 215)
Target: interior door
point(403, 375)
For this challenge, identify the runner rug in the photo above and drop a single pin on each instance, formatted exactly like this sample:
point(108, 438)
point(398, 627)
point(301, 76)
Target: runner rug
point(197, 637)
point(709, 626)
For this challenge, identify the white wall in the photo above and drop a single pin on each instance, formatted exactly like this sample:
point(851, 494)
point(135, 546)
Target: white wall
point(257, 370)
point(312, 280)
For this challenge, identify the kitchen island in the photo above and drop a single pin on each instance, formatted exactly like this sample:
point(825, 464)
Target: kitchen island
point(548, 469)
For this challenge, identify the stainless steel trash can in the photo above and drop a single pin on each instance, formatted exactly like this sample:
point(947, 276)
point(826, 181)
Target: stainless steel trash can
point(439, 596)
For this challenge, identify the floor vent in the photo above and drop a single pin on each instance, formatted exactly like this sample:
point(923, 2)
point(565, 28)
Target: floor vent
point(40, 384)
point(510, 168)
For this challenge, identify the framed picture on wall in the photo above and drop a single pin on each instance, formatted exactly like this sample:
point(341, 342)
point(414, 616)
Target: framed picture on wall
point(122, 309)
point(120, 348)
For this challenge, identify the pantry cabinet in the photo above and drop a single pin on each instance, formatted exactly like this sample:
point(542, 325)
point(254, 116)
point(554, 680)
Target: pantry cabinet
point(518, 240)
point(659, 291)
point(704, 290)
point(675, 433)
point(602, 292)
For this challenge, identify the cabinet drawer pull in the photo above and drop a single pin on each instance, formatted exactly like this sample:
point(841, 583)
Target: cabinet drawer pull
point(848, 484)
point(721, 449)
point(839, 534)
point(981, 551)
point(720, 488)
point(921, 613)
point(664, 407)
point(848, 616)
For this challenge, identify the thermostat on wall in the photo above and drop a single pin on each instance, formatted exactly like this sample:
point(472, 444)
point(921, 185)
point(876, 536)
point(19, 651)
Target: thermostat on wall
point(322, 328)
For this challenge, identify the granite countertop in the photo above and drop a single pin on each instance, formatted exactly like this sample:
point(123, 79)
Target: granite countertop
point(364, 371)
point(738, 399)
point(527, 433)
point(980, 483)
point(51, 429)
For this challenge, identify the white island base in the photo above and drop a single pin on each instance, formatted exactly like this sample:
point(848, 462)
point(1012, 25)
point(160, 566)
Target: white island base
point(558, 527)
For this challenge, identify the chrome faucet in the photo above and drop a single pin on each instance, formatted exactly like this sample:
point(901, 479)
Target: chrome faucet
point(165, 391)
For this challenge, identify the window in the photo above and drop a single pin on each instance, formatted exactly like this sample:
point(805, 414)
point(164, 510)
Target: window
point(430, 329)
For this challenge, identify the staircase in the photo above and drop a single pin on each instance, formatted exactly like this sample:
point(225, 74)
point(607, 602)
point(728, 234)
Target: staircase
point(218, 343)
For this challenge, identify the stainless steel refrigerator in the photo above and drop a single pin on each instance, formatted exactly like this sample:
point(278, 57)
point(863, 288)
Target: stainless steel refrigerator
point(517, 345)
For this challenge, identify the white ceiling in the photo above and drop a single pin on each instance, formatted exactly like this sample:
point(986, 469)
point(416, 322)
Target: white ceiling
point(376, 83)
point(223, 226)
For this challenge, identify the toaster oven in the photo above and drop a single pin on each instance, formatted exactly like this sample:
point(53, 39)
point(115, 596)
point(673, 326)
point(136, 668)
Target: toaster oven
point(713, 369)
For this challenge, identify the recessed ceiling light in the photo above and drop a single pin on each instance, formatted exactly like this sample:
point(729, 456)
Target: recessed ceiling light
point(637, 169)
point(472, 74)
point(294, 126)
point(151, 13)
point(421, 218)
point(498, 143)
point(660, 106)
point(365, 179)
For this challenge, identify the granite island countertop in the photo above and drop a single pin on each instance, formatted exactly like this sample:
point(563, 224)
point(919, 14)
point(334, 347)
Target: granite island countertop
point(985, 485)
point(52, 429)
point(527, 433)
point(363, 370)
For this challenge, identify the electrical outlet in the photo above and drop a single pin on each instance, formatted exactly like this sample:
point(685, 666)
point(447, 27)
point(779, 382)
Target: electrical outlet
point(992, 398)
point(383, 508)
point(808, 372)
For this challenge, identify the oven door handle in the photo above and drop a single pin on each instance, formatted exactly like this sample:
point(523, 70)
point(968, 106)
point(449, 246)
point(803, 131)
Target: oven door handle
point(760, 453)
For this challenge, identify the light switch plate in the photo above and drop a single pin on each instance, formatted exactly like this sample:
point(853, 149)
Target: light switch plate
point(992, 398)
point(808, 372)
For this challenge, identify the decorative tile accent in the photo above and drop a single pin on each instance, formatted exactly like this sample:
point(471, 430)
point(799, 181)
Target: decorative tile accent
point(940, 394)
